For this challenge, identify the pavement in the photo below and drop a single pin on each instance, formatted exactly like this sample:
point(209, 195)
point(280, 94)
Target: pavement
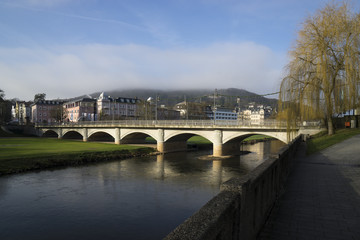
point(321, 199)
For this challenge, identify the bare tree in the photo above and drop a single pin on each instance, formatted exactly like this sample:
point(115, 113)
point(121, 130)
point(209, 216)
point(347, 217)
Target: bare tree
point(322, 77)
point(2, 94)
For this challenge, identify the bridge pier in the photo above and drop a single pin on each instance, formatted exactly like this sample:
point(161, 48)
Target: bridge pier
point(85, 135)
point(226, 149)
point(223, 149)
point(117, 136)
point(217, 144)
point(60, 134)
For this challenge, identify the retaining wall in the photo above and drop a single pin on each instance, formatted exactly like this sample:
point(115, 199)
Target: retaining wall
point(241, 208)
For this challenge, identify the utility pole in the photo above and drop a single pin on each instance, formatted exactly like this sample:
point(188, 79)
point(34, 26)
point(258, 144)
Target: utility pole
point(156, 106)
point(187, 108)
point(215, 93)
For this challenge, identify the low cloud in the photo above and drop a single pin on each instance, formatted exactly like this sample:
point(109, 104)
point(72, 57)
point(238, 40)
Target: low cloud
point(70, 71)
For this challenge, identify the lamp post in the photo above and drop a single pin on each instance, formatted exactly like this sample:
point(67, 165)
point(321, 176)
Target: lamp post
point(156, 106)
point(214, 111)
point(187, 108)
point(149, 100)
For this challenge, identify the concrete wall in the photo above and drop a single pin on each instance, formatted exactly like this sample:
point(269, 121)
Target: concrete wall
point(241, 208)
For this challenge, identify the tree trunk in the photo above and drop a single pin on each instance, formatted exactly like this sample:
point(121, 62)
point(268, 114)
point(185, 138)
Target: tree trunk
point(330, 126)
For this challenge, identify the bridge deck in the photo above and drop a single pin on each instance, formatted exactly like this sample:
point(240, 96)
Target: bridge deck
point(204, 124)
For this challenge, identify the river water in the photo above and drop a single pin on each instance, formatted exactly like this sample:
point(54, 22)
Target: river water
point(139, 198)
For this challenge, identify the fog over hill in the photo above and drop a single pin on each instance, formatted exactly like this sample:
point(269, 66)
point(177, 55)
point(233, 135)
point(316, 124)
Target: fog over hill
point(225, 97)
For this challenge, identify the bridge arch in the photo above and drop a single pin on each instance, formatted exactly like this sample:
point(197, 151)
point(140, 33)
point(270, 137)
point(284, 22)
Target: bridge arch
point(181, 135)
point(102, 136)
point(72, 134)
point(50, 133)
point(242, 135)
point(137, 136)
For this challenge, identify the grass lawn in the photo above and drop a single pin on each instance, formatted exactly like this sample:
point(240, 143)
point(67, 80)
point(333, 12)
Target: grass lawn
point(198, 140)
point(23, 154)
point(11, 148)
point(322, 140)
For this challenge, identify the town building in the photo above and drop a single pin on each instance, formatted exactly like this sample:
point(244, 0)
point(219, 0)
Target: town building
point(45, 111)
point(23, 112)
point(255, 114)
point(221, 113)
point(116, 109)
point(81, 109)
point(164, 113)
point(191, 110)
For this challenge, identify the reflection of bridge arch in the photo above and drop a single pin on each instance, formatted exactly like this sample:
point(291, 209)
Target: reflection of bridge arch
point(242, 135)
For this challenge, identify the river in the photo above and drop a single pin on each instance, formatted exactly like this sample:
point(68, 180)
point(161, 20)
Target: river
point(139, 198)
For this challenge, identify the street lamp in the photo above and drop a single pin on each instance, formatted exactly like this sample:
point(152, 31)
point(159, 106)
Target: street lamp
point(149, 100)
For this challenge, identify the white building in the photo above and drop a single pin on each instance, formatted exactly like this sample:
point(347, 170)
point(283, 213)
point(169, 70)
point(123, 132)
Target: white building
point(222, 113)
point(23, 112)
point(256, 114)
point(114, 109)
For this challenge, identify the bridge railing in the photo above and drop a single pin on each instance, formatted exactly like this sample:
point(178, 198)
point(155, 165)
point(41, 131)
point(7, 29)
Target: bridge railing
point(268, 123)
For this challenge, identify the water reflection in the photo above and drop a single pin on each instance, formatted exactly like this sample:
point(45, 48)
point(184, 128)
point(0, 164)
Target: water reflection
point(217, 172)
point(140, 198)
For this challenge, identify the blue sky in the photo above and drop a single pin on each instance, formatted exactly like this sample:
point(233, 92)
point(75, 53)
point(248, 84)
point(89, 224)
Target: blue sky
point(66, 48)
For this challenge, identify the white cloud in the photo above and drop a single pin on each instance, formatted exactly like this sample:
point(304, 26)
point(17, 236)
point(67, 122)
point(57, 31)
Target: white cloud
point(69, 71)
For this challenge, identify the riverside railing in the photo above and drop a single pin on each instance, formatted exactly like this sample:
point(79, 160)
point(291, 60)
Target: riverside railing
point(269, 123)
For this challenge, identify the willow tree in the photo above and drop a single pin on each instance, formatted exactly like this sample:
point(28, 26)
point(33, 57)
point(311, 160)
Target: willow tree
point(322, 77)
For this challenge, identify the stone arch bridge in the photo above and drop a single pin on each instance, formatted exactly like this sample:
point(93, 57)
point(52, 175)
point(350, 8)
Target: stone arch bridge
point(172, 135)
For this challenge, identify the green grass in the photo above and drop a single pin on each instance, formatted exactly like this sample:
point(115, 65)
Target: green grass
point(22, 154)
point(257, 137)
point(321, 141)
point(198, 140)
point(11, 148)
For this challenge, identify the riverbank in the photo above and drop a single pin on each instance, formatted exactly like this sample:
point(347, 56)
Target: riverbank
point(322, 141)
point(25, 154)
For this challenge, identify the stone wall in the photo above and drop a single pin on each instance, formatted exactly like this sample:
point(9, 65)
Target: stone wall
point(241, 208)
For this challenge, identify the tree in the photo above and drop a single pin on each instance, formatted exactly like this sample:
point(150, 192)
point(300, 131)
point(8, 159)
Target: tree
point(2, 94)
point(39, 97)
point(58, 113)
point(322, 77)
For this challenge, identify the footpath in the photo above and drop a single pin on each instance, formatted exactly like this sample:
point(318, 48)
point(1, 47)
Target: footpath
point(321, 198)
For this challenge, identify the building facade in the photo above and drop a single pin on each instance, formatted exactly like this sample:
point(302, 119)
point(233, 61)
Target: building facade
point(45, 111)
point(256, 114)
point(23, 112)
point(221, 113)
point(116, 109)
point(82, 109)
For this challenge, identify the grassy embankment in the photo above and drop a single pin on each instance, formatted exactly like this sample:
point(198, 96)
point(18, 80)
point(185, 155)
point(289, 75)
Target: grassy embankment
point(22, 154)
point(321, 140)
